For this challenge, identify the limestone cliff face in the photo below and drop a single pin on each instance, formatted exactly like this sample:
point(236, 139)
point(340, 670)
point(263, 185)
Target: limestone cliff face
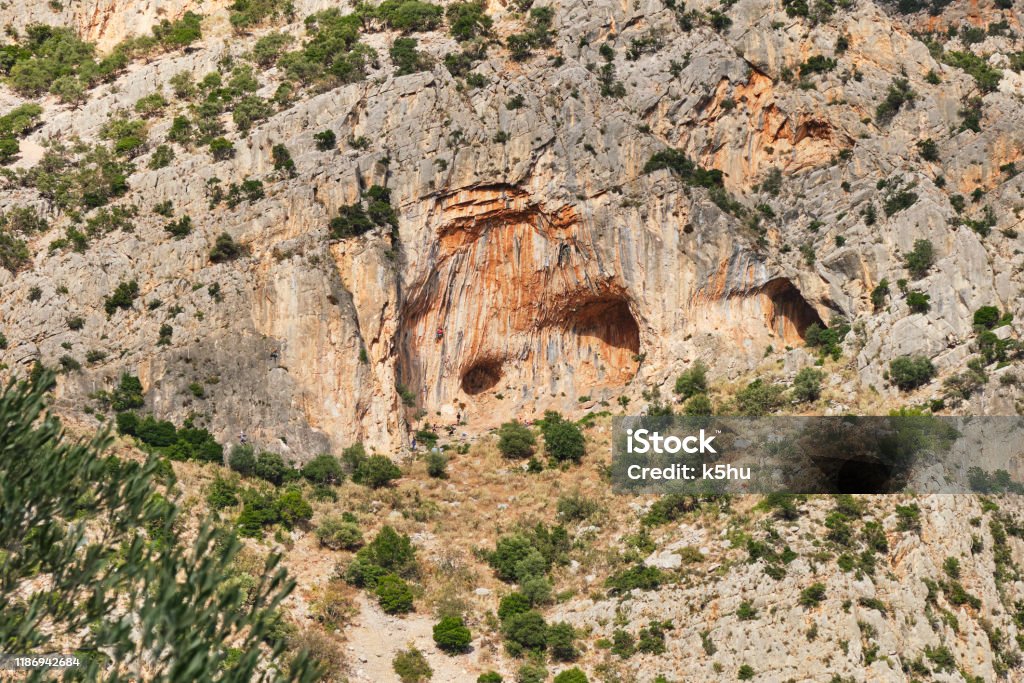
point(535, 262)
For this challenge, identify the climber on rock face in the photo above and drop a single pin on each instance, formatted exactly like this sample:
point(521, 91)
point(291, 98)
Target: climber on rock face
point(440, 333)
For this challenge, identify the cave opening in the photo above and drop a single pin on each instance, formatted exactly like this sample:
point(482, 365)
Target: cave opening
point(789, 313)
point(481, 376)
point(610, 321)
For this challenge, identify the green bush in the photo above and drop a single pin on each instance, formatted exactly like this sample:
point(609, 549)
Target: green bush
point(515, 440)
point(573, 675)
point(333, 55)
point(759, 398)
point(987, 317)
point(394, 595)
point(561, 640)
point(489, 677)
point(248, 111)
point(389, 552)
point(812, 595)
point(376, 471)
point(272, 467)
point(638, 576)
point(326, 140)
point(693, 381)
point(223, 493)
point(698, 406)
point(575, 507)
point(221, 148)
point(513, 603)
point(123, 296)
point(409, 15)
point(525, 631)
point(451, 635)
point(928, 150)
point(898, 95)
point(745, 673)
point(292, 508)
point(563, 440)
point(244, 14)
point(807, 385)
point(282, 160)
point(910, 372)
point(411, 666)
point(406, 58)
point(879, 294)
point(242, 460)
point(918, 301)
point(337, 533)
point(161, 158)
point(180, 228)
point(437, 465)
point(920, 258)
point(468, 20)
point(225, 249)
point(323, 469)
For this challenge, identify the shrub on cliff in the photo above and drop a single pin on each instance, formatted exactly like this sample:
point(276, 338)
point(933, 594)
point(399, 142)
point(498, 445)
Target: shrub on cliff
point(451, 635)
point(337, 533)
point(515, 440)
point(376, 471)
point(807, 385)
point(225, 249)
point(692, 381)
point(563, 440)
point(323, 469)
point(910, 372)
point(122, 297)
point(759, 398)
point(242, 460)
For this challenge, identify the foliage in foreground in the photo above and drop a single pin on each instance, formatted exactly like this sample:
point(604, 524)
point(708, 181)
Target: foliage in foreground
point(201, 629)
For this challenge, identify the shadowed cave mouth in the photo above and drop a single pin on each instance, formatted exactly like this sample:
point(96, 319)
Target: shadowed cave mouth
point(861, 475)
point(607, 320)
point(481, 376)
point(789, 308)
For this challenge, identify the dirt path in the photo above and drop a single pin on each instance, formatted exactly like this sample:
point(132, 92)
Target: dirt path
point(374, 638)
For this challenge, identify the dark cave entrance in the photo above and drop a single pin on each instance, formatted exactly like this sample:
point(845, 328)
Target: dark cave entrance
point(791, 315)
point(481, 376)
point(608, 320)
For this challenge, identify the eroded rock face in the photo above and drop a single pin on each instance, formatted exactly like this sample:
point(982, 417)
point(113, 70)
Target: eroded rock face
point(553, 265)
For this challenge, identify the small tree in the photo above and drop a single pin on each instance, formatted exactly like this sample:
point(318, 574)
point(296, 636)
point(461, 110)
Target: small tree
point(807, 385)
point(812, 595)
point(242, 460)
point(563, 440)
point(562, 642)
point(394, 595)
point(910, 372)
point(693, 381)
point(451, 635)
point(376, 471)
point(337, 533)
point(437, 465)
point(222, 149)
point(698, 406)
point(986, 316)
point(323, 469)
point(411, 666)
point(920, 258)
point(515, 440)
point(123, 296)
point(326, 140)
point(282, 160)
point(759, 398)
point(225, 249)
point(573, 675)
